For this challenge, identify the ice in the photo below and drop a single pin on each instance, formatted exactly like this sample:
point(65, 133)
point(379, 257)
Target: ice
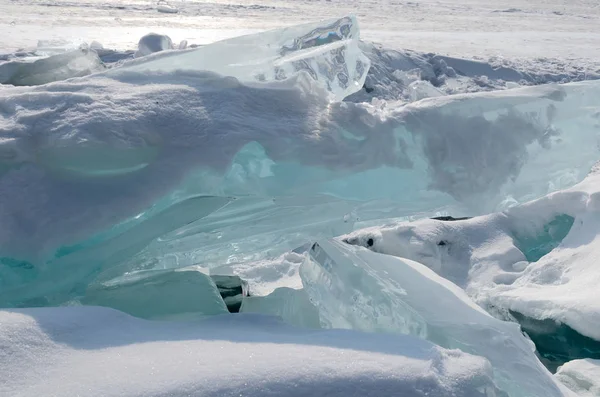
point(74, 350)
point(59, 66)
point(293, 306)
point(153, 42)
point(535, 263)
point(327, 51)
point(155, 294)
point(359, 289)
point(581, 376)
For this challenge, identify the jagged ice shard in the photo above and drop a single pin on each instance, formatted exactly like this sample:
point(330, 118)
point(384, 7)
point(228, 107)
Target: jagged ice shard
point(327, 51)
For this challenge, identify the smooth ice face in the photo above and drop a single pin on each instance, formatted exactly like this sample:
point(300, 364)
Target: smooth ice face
point(56, 67)
point(356, 288)
point(327, 51)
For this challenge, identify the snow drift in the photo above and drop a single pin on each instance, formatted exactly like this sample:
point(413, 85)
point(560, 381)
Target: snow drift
point(72, 350)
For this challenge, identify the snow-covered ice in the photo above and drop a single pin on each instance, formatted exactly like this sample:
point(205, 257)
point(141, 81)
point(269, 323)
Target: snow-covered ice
point(487, 255)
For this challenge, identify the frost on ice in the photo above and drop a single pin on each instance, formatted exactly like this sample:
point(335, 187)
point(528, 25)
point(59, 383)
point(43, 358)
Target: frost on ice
point(581, 376)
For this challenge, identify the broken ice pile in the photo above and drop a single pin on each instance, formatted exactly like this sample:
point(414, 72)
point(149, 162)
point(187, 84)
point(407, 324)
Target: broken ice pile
point(151, 178)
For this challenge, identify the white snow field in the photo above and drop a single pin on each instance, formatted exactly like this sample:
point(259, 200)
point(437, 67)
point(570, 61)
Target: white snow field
point(155, 181)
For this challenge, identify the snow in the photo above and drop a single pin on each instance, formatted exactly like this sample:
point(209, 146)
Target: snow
point(581, 376)
point(71, 351)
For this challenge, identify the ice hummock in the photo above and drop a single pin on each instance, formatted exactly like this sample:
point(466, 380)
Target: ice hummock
point(159, 294)
point(358, 289)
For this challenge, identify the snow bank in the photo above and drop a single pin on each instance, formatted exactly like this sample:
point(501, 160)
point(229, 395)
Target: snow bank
point(581, 376)
point(81, 350)
point(358, 289)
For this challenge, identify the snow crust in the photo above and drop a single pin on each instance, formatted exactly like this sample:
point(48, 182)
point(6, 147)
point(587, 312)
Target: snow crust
point(581, 376)
point(72, 350)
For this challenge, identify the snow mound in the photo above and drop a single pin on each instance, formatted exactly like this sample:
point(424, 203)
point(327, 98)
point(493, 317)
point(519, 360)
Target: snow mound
point(359, 289)
point(54, 351)
point(393, 71)
point(581, 376)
